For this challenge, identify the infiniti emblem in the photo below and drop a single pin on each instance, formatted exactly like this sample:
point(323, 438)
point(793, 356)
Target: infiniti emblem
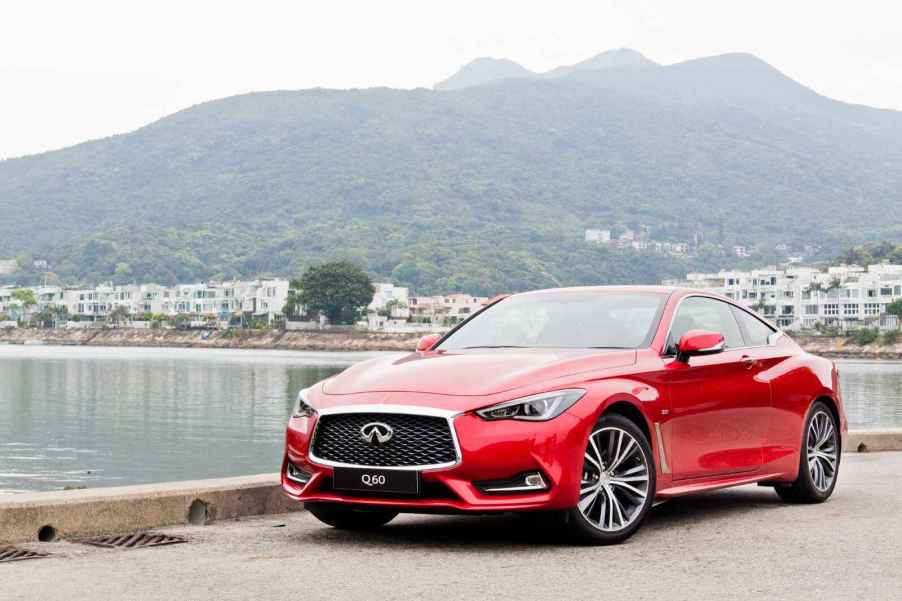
point(376, 433)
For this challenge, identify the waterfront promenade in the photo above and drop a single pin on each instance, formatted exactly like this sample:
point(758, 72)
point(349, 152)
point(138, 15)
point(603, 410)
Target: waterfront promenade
point(735, 544)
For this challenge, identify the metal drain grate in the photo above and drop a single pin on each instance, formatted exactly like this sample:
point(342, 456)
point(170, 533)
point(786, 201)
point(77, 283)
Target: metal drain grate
point(134, 541)
point(16, 554)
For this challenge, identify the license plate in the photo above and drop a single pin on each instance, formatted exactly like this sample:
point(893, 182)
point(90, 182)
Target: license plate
point(376, 480)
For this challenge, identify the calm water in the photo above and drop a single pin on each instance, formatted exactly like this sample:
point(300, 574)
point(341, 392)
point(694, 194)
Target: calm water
point(76, 416)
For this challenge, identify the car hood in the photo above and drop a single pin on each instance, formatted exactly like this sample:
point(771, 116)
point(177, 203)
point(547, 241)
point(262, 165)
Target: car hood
point(472, 372)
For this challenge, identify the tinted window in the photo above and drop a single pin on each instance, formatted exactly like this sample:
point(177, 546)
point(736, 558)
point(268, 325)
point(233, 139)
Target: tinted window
point(699, 313)
point(562, 319)
point(758, 333)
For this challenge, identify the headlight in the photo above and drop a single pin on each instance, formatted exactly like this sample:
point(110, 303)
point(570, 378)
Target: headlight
point(535, 408)
point(302, 407)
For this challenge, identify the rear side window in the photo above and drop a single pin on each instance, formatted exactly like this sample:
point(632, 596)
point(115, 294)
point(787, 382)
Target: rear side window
point(757, 332)
point(701, 313)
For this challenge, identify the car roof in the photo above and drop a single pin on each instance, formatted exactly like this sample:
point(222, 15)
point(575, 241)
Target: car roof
point(661, 290)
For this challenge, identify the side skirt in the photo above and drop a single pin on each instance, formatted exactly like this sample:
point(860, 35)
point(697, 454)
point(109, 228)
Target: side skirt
point(701, 485)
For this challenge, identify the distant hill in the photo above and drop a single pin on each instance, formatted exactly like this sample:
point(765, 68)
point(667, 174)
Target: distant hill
point(482, 71)
point(486, 188)
point(487, 70)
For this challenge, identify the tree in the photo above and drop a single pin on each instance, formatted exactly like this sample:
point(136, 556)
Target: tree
point(25, 296)
point(895, 308)
point(292, 306)
point(51, 316)
point(119, 314)
point(390, 307)
point(337, 290)
point(27, 299)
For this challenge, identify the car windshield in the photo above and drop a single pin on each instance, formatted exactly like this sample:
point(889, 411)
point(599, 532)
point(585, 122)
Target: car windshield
point(562, 319)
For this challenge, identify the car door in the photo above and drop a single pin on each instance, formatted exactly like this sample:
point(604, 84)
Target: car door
point(719, 409)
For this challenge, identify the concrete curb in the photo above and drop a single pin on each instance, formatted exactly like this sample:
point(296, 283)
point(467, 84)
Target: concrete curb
point(874, 440)
point(79, 513)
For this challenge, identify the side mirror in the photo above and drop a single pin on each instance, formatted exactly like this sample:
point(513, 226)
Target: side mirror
point(427, 342)
point(696, 343)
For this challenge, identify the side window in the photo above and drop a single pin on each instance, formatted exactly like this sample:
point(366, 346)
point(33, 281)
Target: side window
point(758, 333)
point(700, 313)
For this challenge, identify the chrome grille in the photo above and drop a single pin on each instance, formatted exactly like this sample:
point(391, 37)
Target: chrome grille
point(418, 440)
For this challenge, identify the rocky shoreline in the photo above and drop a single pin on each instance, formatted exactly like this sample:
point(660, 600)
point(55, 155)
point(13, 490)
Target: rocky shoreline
point(335, 340)
point(838, 347)
point(306, 340)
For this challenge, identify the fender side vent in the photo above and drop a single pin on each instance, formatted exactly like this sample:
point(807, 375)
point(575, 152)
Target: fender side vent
point(134, 541)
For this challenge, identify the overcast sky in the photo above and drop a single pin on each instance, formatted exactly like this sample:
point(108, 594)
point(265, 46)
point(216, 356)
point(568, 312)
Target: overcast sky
point(74, 71)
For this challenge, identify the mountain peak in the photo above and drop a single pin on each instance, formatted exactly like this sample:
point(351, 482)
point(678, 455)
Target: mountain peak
point(610, 59)
point(481, 71)
point(486, 70)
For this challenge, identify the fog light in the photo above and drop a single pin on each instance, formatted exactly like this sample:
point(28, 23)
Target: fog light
point(534, 481)
point(295, 474)
point(521, 483)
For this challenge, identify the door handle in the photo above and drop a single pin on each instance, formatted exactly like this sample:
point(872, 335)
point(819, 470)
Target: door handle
point(748, 362)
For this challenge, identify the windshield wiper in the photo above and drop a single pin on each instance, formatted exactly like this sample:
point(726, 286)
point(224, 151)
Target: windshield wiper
point(494, 346)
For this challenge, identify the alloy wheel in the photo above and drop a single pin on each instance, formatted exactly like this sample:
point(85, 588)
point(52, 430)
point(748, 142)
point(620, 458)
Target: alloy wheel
point(822, 450)
point(614, 484)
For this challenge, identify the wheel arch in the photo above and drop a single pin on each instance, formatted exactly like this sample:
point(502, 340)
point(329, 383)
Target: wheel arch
point(631, 412)
point(832, 405)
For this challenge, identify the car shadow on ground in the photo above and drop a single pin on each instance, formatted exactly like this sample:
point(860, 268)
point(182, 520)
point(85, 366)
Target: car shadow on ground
point(511, 530)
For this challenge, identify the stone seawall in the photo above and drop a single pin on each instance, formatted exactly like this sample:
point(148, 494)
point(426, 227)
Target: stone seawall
point(334, 340)
point(841, 348)
point(306, 340)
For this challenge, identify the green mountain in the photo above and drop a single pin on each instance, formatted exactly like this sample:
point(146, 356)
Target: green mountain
point(484, 189)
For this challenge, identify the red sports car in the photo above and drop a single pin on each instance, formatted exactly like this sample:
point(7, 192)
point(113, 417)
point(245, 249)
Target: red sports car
point(591, 403)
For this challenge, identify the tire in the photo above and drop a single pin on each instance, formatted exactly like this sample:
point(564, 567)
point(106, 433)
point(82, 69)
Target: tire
point(350, 517)
point(619, 466)
point(819, 458)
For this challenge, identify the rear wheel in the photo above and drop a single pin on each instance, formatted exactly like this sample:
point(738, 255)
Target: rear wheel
point(349, 517)
point(818, 459)
point(617, 485)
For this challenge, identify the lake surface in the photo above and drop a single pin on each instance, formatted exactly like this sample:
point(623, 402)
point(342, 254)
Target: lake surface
point(82, 416)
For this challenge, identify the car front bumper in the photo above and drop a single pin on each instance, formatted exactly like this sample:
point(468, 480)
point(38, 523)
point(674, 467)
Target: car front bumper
point(488, 451)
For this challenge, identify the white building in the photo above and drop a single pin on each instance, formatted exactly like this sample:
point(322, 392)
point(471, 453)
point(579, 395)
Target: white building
point(395, 300)
point(447, 309)
point(389, 308)
point(8, 266)
point(261, 298)
point(846, 296)
point(598, 236)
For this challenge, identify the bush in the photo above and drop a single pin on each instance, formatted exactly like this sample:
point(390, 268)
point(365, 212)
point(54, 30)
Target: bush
point(891, 336)
point(863, 336)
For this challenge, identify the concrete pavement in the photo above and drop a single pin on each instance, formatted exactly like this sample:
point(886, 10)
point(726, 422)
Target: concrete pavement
point(735, 544)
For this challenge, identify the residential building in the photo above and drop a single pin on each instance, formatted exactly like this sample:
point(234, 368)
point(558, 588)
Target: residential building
point(844, 296)
point(8, 266)
point(261, 298)
point(598, 236)
point(446, 309)
point(389, 308)
point(392, 300)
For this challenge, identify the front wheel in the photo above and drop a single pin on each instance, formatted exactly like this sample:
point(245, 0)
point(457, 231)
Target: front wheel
point(617, 485)
point(347, 517)
point(818, 459)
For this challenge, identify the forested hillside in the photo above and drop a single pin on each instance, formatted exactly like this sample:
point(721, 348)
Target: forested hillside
point(483, 189)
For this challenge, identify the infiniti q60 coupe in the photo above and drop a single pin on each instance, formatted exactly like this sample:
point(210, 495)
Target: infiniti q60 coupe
point(588, 404)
